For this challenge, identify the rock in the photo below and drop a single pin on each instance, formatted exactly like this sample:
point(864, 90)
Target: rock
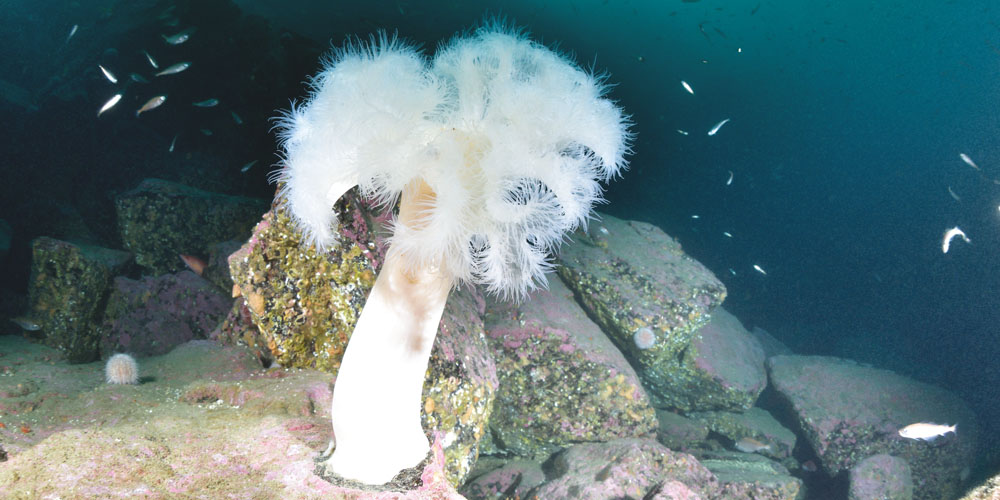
point(754, 423)
point(152, 315)
point(217, 271)
point(68, 287)
point(771, 345)
point(158, 220)
point(881, 476)
point(751, 476)
point(722, 370)
point(236, 430)
point(289, 291)
point(561, 380)
point(848, 412)
point(511, 479)
point(637, 284)
point(679, 432)
point(989, 490)
point(626, 468)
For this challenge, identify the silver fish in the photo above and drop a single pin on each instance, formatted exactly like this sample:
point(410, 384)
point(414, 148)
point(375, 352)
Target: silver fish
point(174, 69)
point(687, 87)
point(951, 234)
point(110, 104)
point(236, 118)
point(137, 78)
point(173, 143)
point(27, 324)
point(759, 269)
point(968, 161)
point(152, 62)
point(926, 431)
point(107, 74)
point(248, 166)
point(72, 31)
point(178, 38)
point(717, 126)
point(730, 180)
point(207, 103)
point(153, 103)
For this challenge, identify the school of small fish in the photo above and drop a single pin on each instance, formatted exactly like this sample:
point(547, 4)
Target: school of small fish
point(172, 38)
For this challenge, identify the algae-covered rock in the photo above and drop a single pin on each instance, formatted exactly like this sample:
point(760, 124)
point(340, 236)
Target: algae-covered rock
point(158, 220)
point(561, 379)
point(152, 315)
point(678, 432)
point(304, 305)
point(723, 369)
point(626, 468)
point(755, 423)
point(848, 412)
point(647, 295)
point(67, 290)
point(746, 475)
point(881, 476)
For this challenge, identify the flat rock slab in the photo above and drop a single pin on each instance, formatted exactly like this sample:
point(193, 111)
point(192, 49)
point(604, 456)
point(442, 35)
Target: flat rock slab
point(68, 287)
point(750, 476)
point(848, 412)
point(561, 380)
point(205, 422)
point(645, 293)
point(158, 220)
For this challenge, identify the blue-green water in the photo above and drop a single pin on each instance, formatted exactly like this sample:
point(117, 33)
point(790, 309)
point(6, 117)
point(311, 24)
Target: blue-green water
point(847, 122)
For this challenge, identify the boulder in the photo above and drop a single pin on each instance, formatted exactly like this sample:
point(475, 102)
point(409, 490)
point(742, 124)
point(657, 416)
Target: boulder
point(561, 380)
point(881, 476)
point(647, 295)
point(69, 285)
point(751, 476)
point(152, 315)
point(848, 412)
point(678, 432)
point(159, 220)
point(755, 423)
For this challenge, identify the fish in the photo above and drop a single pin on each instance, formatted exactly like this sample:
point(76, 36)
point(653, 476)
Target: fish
point(926, 431)
point(726, 234)
point(137, 78)
point(236, 118)
point(72, 31)
point(110, 104)
point(695, 216)
point(682, 132)
point(730, 180)
point(760, 270)
point(717, 126)
point(152, 62)
point(247, 166)
point(750, 445)
point(174, 69)
point(194, 263)
point(968, 161)
point(207, 103)
point(687, 87)
point(809, 466)
point(107, 74)
point(178, 38)
point(26, 323)
point(153, 103)
point(206, 131)
point(953, 195)
point(732, 271)
point(173, 143)
point(951, 234)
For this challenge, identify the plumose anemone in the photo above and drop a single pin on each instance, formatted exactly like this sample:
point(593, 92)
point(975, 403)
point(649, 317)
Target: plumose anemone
point(494, 151)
